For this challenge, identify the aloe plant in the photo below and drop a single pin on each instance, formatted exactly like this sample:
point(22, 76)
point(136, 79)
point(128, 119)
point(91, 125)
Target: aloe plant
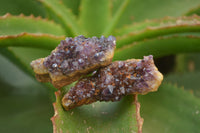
point(161, 28)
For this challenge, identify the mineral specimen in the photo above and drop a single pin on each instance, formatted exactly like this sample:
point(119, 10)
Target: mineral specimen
point(73, 58)
point(111, 83)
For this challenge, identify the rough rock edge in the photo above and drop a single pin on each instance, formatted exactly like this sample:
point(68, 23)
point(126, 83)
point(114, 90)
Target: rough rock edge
point(152, 86)
point(60, 80)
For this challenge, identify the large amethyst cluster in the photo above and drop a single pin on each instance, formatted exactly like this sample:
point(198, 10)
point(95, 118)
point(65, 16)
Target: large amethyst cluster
point(73, 58)
point(79, 53)
point(113, 82)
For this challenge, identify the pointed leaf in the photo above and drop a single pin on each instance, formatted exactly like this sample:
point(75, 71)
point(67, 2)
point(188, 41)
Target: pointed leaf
point(44, 41)
point(73, 5)
point(94, 17)
point(139, 10)
point(12, 25)
point(170, 110)
point(116, 18)
point(99, 117)
point(159, 47)
point(192, 11)
point(148, 24)
point(188, 80)
point(63, 15)
point(163, 28)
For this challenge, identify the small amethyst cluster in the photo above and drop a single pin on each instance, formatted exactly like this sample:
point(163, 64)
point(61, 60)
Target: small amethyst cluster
point(113, 82)
point(74, 54)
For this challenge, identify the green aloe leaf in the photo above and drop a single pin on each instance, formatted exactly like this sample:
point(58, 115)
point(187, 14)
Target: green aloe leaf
point(18, 31)
point(9, 54)
point(28, 32)
point(12, 25)
point(94, 17)
point(164, 27)
point(25, 113)
point(44, 41)
point(63, 15)
point(11, 80)
point(26, 7)
point(195, 10)
point(188, 80)
point(16, 56)
point(98, 117)
point(170, 110)
point(148, 24)
point(159, 47)
point(187, 62)
point(139, 10)
point(73, 5)
point(115, 19)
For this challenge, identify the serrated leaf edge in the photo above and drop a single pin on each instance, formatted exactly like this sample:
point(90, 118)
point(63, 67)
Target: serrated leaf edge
point(122, 39)
point(157, 38)
point(30, 35)
point(137, 115)
point(167, 18)
point(53, 119)
point(31, 16)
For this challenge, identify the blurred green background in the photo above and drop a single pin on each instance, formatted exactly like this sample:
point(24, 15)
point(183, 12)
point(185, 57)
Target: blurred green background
point(25, 105)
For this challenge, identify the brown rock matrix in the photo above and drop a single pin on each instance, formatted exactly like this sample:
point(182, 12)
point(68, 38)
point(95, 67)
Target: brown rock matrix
point(73, 58)
point(111, 83)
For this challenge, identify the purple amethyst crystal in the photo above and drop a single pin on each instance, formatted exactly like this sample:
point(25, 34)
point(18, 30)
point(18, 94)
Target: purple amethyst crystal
point(74, 57)
point(113, 82)
point(74, 54)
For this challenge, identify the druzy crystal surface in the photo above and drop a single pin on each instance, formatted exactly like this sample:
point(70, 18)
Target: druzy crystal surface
point(111, 83)
point(74, 57)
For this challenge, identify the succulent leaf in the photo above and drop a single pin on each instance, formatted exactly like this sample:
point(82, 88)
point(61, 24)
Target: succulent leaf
point(73, 5)
point(171, 109)
point(163, 28)
point(122, 116)
point(31, 40)
point(159, 47)
point(139, 10)
point(192, 11)
point(64, 16)
point(188, 80)
point(12, 25)
point(116, 17)
point(94, 17)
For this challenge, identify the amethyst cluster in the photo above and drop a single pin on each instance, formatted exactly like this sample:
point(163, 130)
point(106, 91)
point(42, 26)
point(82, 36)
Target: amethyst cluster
point(79, 53)
point(111, 83)
point(74, 57)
